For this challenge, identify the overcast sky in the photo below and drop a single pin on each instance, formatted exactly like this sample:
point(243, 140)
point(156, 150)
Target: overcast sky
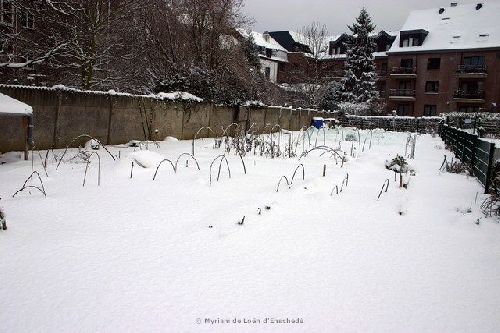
point(336, 14)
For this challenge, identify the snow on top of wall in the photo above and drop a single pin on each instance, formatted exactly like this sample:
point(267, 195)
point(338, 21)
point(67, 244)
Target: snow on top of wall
point(185, 96)
point(460, 27)
point(395, 117)
point(176, 95)
point(12, 107)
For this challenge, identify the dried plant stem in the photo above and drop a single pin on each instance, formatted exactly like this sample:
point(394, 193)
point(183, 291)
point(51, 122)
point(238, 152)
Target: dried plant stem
point(87, 167)
point(384, 186)
point(79, 137)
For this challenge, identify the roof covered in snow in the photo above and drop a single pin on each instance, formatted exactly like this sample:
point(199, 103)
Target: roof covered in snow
point(292, 41)
point(468, 26)
point(12, 107)
point(264, 40)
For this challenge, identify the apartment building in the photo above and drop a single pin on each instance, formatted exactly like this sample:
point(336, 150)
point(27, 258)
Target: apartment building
point(446, 59)
point(442, 60)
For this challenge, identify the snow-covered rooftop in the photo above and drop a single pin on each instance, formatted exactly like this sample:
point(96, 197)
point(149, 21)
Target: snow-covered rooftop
point(456, 28)
point(12, 107)
point(267, 42)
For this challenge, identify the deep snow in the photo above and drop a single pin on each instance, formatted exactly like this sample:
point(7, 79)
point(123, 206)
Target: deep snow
point(154, 256)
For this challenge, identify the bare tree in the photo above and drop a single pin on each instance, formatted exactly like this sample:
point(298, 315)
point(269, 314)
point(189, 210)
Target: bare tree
point(315, 35)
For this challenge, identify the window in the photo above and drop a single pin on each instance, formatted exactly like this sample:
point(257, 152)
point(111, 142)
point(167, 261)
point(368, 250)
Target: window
point(407, 63)
point(411, 41)
point(434, 63)
point(471, 86)
point(269, 53)
point(403, 110)
point(430, 110)
point(469, 109)
point(27, 20)
point(384, 67)
point(432, 86)
point(6, 12)
point(474, 61)
point(267, 72)
point(405, 85)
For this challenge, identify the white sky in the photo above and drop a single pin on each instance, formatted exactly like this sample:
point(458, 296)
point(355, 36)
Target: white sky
point(336, 14)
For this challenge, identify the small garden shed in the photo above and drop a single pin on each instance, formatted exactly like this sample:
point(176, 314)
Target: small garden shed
point(10, 107)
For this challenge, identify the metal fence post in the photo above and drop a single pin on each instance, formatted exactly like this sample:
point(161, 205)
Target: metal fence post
point(490, 169)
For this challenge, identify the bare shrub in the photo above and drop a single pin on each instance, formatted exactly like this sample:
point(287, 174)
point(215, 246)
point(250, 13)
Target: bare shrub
point(78, 138)
point(3, 220)
point(491, 206)
point(455, 166)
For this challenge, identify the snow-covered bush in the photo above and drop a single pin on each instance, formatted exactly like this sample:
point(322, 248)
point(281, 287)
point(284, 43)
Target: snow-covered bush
point(3, 222)
point(356, 109)
point(93, 144)
point(398, 164)
point(351, 137)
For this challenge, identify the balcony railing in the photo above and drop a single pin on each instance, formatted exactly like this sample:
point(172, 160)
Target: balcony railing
point(464, 94)
point(472, 69)
point(402, 92)
point(382, 72)
point(404, 70)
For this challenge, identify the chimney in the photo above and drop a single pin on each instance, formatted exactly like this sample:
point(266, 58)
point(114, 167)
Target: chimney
point(479, 6)
point(267, 36)
point(454, 4)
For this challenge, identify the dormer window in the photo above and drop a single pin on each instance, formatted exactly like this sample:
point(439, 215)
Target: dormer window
point(412, 38)
point(6, 12)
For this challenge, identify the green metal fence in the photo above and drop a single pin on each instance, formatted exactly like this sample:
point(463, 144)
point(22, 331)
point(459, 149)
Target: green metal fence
point(470, 149)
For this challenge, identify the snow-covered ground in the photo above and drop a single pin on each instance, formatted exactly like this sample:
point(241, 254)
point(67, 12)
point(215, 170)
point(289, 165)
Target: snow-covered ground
point(137, 255)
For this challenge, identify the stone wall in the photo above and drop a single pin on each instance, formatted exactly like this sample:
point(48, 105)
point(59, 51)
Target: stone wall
point(59, 115)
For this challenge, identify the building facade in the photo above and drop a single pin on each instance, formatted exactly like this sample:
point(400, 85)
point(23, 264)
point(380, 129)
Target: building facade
point(446, 60)
point(443, 60)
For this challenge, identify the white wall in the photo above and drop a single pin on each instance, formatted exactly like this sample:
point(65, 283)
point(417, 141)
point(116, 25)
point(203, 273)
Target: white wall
point(273, 65)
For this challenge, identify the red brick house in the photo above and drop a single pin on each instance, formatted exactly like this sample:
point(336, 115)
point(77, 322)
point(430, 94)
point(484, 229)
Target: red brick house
point(446, 59)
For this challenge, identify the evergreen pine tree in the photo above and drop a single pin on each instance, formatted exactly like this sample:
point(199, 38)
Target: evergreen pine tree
point(359, 81)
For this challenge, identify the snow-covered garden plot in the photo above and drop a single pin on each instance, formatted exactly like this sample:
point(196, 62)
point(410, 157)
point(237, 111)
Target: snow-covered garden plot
point(177, 254)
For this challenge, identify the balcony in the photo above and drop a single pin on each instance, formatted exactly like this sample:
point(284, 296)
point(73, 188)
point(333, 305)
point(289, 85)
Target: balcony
point(404, 72)
point(402, 95)
point(472, 71)
point(465, 96)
